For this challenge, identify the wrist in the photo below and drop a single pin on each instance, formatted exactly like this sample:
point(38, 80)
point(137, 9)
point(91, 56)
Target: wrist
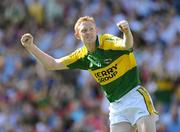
point(127, 32)
point(29, 46)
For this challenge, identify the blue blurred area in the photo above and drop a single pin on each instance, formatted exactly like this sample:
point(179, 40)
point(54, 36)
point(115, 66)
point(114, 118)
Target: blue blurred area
point(34, 99)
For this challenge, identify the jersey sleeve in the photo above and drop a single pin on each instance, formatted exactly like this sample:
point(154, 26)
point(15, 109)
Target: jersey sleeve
point(75, 59)
point(111, 42)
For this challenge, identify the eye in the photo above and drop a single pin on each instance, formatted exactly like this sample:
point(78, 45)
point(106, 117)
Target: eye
point(91, 29)
point(84, 30)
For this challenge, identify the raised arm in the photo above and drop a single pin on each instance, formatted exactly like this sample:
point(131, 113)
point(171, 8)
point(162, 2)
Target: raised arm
point(127, 35)
point(48, 62)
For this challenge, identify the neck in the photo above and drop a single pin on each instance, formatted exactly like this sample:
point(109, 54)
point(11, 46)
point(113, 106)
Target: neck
point(91, 47)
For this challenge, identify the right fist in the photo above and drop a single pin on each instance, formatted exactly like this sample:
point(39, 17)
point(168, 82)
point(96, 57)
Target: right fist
point(27, 40)
point(123, 26)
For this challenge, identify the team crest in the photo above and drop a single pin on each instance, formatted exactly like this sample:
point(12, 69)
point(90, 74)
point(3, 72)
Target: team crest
point(107, 61)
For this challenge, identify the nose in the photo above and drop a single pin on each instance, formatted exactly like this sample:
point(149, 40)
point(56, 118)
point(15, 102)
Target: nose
point(89, 31)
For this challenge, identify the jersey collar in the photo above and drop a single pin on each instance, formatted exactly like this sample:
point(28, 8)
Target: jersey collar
point(97, 41)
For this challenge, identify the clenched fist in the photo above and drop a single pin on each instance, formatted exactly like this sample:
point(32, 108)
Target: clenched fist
point(27, 40)
point(123, 26)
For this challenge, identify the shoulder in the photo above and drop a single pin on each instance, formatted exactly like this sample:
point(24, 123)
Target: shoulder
point(74, 56)
point(109, 37)
point(80, 52)
point(109, 41)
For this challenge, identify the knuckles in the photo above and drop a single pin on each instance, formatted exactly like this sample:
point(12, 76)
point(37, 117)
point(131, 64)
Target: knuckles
point(123, 25)
point(26, 39)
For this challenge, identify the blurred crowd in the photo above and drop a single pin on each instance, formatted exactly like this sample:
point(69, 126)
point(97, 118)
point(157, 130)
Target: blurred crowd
point(33, 99)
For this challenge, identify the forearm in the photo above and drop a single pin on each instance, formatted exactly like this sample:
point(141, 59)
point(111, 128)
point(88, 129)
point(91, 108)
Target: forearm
point(45, 59)
point(127, 35)
point(42, 57)
point(49, 62)
point(128, 39)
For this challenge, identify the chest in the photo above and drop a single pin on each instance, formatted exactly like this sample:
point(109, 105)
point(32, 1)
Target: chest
point(99, 58)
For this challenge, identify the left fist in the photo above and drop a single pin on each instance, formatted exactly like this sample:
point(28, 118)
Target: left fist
point(123, 26)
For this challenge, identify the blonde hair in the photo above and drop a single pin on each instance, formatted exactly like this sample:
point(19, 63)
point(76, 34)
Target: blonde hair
point(83, 19)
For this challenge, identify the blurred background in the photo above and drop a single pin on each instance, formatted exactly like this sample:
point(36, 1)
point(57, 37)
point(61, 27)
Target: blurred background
point(33, 99)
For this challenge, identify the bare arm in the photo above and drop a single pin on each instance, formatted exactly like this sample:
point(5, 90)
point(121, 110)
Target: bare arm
point(127, 35)
point(48, 62)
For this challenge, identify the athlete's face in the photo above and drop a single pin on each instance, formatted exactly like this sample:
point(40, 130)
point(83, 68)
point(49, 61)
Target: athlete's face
point(87, 32)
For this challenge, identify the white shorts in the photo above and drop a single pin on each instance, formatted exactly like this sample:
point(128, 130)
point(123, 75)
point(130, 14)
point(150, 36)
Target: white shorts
point(131, 107)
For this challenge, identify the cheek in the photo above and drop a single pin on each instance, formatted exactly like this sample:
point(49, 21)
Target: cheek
point(82, 37)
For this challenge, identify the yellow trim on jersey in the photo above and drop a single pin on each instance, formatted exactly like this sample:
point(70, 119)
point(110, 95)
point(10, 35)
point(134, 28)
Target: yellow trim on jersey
point(76, 55)
point(115, 70)
point(110, 42)
point(106, 42)
point(147, 100)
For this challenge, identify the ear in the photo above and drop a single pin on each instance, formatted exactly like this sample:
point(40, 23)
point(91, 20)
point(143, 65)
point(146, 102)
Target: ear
point(76, 34)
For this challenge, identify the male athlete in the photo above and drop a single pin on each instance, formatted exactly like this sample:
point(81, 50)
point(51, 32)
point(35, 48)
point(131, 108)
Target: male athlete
point(112, 63)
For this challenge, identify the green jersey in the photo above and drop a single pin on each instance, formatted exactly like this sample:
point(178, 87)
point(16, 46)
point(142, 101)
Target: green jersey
point(112, 67)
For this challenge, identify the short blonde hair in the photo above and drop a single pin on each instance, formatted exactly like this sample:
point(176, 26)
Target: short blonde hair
point(83, 19)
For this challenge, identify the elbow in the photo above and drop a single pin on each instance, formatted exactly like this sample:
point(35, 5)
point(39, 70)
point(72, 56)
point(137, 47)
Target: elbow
point(50, 66)
point(55, 64)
